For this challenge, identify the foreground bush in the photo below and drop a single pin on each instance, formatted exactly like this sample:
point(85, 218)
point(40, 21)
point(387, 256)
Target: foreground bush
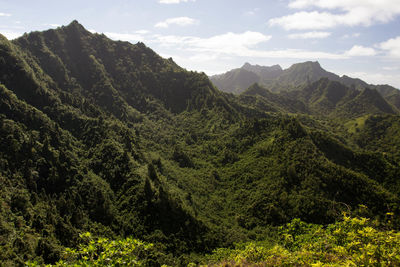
point(105, 252)
point(350, 242)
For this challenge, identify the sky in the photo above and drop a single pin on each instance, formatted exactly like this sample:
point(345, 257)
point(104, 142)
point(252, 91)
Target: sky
point(358, 38)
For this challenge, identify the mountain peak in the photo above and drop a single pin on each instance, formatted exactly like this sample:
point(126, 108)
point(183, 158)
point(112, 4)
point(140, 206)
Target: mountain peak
point(316, 63)
point(265, 72)
point(76, 26)
point(74, 23)
point(309, 71)
point(246, 65)
point(251, 67)
point(308, 64)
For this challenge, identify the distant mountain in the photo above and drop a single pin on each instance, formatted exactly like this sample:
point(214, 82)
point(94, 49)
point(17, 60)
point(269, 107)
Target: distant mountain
point(235, 80)
point(275, 79)
point(272, 76)
point(306, 72)
point(265, 73)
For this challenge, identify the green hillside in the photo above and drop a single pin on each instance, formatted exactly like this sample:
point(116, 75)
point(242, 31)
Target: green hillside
point(108, 137)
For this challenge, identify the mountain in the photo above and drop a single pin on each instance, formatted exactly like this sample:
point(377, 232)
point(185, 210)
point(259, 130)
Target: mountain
point(69, 53)
point(275, 79)
point(327, 97)
point(272, 77)
point(108, 137)
point(320, 98)
point(263, 99)
point(306, 72)
point(235, 80)
point(265, 73)
point(368, 101)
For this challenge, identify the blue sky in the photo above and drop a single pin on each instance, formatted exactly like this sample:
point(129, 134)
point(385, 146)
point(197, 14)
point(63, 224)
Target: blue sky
point(359, 38)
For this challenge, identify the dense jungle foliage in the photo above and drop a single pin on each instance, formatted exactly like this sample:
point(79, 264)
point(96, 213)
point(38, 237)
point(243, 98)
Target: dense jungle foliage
point(160, 167)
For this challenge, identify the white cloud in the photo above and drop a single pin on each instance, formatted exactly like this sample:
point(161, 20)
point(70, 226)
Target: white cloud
point(228, 43)
point(351, 13)
point(354, 35)
point(252, 12)
point(390, 68)
point(133, 38)
point(392, 46)
point(203, 57)
point(142, 31)
point(138, 36)
point(11, 34)
point(174, 1)
point(360, 51)
point(377, 78)
point(180, 21)
point(298, 54)
point(249, 13)
point(246, 44)
point(238, 45)
point(309, 35)
point(305, 21)
point(52, 25)
point(387, 5)
point(5, 15)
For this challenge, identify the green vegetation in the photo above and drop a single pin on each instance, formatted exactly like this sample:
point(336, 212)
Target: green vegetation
point(104, 252)
point(109, 138)
point(350, 242)
point(353, 241)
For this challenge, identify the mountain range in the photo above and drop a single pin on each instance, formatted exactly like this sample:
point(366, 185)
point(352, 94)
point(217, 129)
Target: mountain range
point(109, 137)
point(275, 79)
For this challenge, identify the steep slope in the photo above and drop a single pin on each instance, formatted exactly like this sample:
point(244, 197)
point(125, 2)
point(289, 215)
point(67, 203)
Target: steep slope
point(120, 73)
point(323, 96)
point(378, 133)
point(368, 101)
point(391, 94)
point(263, 99)
point(353, 82)
point(306, 72)
point(394, 99)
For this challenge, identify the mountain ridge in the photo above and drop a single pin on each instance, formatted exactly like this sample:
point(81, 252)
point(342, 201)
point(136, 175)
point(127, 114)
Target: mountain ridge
point(296, 75)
